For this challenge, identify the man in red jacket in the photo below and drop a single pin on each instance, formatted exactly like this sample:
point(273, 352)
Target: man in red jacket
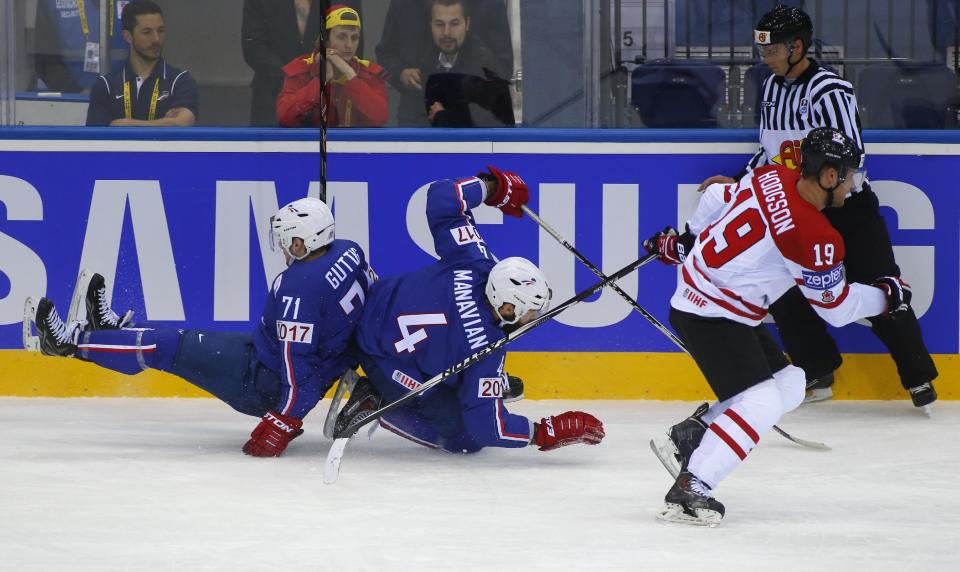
point(357, 88)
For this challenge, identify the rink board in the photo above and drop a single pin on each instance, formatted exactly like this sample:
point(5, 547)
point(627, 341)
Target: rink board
point(176, 221)
point(553, 375)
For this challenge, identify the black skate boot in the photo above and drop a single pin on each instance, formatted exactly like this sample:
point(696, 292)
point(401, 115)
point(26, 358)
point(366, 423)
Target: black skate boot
point(674, 449)
point(923, 394)
point(99, 314)
point(56, 338)
point(514, 392)
point(364, 400)
point(689, 501)
point(819, 389)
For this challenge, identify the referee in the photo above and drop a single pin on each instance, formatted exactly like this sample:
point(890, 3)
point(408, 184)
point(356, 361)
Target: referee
point(802, 95)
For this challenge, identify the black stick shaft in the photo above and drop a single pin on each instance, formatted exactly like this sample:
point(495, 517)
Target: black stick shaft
point(324, 102)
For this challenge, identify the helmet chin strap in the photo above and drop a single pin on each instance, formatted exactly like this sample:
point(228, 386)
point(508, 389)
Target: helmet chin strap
point(791, 66)
point(831, 190)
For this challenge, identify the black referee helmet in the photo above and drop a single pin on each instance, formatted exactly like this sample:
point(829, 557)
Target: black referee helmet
point(783, 25)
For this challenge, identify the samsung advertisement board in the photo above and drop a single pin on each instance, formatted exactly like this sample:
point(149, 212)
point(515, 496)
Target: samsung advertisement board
point(178, 223)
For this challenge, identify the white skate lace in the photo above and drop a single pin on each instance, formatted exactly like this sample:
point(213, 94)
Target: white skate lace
point(64, 333)
point(107, 315)
point(697, 486)
point(919, 389)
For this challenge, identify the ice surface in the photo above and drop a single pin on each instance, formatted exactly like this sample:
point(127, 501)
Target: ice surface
point(160, 484)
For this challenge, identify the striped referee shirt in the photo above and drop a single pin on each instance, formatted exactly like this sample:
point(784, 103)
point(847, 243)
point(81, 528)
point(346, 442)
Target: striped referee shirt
point(817, 98)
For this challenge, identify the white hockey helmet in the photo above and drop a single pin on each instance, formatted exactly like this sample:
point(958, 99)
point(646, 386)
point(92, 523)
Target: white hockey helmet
point(519, 282)
point(308, 219)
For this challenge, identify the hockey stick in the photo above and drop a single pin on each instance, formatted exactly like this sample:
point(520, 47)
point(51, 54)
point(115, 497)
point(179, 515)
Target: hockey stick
point(650, 318)
point(331, 469)
point(324, 104)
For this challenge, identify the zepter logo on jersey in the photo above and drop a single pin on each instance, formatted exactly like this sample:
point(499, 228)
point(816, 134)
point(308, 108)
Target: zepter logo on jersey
point(823, 280)
point(789, 156)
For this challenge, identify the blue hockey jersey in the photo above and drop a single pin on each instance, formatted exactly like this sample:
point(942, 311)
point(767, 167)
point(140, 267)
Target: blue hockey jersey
point(308, 320)
point(416, 325)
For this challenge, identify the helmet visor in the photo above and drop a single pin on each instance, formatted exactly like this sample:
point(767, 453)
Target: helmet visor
point(770, 50)
point(274, 239)
point(858, 177)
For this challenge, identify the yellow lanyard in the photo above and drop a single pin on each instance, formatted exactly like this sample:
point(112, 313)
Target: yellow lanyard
point(83, 18)
point(128, 105)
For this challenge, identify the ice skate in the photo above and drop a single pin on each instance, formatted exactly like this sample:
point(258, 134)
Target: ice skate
point(99, 314)
point(675, 447)
point(346, 384)
point(56, 338)
point(689, 501)
point(923, 396)
point(363, 401)
point(514, 390)
point(819, 389)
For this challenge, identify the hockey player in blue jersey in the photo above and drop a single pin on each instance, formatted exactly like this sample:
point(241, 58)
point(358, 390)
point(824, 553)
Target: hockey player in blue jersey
point(416, 325)
point(281, 370)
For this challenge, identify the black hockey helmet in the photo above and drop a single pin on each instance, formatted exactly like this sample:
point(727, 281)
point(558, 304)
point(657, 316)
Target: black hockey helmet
point(783, 25)
point(829, 146)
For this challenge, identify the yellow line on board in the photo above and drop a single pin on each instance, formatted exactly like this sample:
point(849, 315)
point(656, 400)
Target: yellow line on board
point(546, 375)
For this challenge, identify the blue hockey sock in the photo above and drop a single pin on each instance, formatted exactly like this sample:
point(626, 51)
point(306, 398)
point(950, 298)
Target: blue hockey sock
point(130, 351)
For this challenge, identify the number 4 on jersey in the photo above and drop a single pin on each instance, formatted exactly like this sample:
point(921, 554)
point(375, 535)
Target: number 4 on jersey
point(410, 339)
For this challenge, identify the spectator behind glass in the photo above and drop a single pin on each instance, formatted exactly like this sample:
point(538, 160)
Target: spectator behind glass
point(146, 91)
point(67, 43)
point(275, 32)
point(356, 87)
point(406, 39)
point(457, 70)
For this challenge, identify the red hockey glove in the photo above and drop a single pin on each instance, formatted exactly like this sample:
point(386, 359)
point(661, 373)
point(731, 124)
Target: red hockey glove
point(898, 295)
point(272, 435)
point(511, 193)
point(668, 246)
point(567, 429)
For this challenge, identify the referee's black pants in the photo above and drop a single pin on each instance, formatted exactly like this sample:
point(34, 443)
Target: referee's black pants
point(869, 255)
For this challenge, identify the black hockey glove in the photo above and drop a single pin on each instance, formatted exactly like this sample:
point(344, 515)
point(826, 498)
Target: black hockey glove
point(898, 295)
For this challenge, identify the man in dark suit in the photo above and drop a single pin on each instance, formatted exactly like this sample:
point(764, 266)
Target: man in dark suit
point(275, 32)
point(431, 78)
point(407, 48)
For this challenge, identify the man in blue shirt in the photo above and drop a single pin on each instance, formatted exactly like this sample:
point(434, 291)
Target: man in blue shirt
point(417, 325)
point(283, 369)
point(146, 91)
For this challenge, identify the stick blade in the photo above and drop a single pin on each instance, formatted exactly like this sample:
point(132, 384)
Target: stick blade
point(803, 442)
point(331, 467)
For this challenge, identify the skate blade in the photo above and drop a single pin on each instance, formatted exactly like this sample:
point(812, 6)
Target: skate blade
point(664, 449)
point(928, 411)
point(820, 394)
point(347, 382)
point(675, 513)
point(78, 302)
point(30, 342)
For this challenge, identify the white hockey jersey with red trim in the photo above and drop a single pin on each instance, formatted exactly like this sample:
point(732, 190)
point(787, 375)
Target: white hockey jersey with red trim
point(755, 240)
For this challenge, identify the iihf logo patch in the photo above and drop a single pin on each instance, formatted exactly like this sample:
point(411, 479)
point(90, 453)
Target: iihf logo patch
point(804, 106)
point(827, 297)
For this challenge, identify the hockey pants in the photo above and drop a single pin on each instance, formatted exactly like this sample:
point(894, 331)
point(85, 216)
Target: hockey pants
point(221, 363)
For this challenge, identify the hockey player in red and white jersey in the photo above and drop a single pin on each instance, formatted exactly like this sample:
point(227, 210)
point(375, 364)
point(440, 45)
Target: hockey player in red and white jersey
point(747, 243)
